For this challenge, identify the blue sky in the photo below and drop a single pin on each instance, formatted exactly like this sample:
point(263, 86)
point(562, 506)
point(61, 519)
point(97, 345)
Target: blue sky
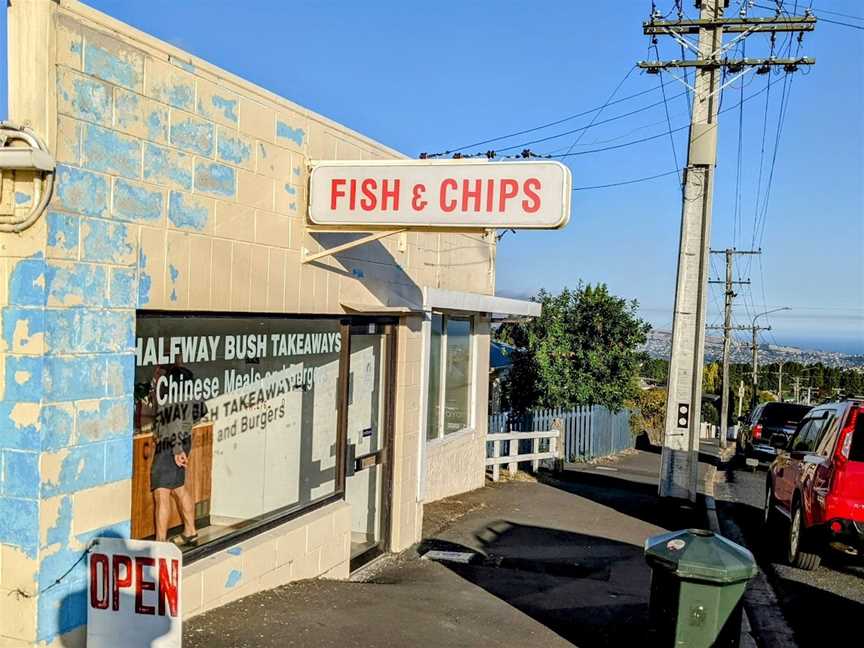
point(434, 76)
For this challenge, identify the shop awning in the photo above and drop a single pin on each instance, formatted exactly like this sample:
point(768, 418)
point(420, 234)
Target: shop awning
point(456, 300)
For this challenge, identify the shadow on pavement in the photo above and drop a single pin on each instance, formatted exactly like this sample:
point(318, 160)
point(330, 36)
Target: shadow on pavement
point(591, 591)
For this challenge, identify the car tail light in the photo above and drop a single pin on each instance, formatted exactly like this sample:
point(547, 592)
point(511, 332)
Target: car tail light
point(757, 431)
point(845, 443)
point(836, 527)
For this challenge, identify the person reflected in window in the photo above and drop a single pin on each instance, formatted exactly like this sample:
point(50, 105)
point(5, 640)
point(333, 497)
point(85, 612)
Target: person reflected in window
point(172, 431)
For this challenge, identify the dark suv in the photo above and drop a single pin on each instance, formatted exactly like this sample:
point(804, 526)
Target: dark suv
point(767, 420)
point(817, 484)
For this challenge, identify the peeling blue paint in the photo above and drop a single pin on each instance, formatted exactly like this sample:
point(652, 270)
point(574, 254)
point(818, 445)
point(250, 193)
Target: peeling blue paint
point(20, 526)
point(235, 551)
point(32, 320)
point(157, 125)
point(61, 609)
point(292, 206)
point(113, 419)
point(183, 65)
point(184, 212)
point(74, 378)
point(22, 198)
point(122, 289)
point(285, 131)
point(193, 134)
point(111, 152)
point(13, 435)
point(118, 459)
point(228, 107)
point(80, 191)
point(82, 467)
point(55, 427)
point(81, 330)
point(99, 62)
point(144, 280)
point(181, 95)
point(27, 283)
point(233, 148)
point(135, 203)
point(234, 577)
point(75, 284)
point(215, 179)
point(107, 242)
point(290, 190)
point(23, 377)
point(296, 170)
point(21, 474)
point(120, 372)
point(62, 235)
point(127, 109)
point(162, 165)
point(87, 99)
point(174, 272)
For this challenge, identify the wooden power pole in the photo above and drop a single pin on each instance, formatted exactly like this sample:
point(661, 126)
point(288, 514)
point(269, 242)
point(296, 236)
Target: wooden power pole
point(679, 463)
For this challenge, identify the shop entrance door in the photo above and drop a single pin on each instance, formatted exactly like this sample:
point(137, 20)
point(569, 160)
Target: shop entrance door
point(368, 433)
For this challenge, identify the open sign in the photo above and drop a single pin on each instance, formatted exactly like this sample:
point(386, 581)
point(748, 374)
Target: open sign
point(134, 591)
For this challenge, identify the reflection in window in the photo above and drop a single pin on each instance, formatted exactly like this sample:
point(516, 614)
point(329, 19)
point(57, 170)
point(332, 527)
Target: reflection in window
point(449, 376)
point(235, 422)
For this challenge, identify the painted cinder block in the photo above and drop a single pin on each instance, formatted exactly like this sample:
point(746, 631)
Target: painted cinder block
point(273, 229)
point(140, 117)
point(20, 526)
point(123, 288)
point(166, 166)
point(177, 257)
point(63, 236)
point(199, 272)
point(20, 474)
point(241, 273)
point(105, 241)
point(259, 285)
point(274, 161)
point(68, 149)
point(23, 330)
point(113, 61)
point(234, 221)
point(27, 282)
point(112, 152)
point(257, 120)
point(215, 179)
point(100, 507)
point(20, 426)
point(118, 459)
point(103, 419)
point(151, 268)
point(83, 97)
point(292, 281)
point(169, 84)
point(17, 570)
point(276, 280)
point(291, 131)
point(81, 192)
point(191, 133)
point(190, 211)
point(23, 378)
point(120, 374)
point(220, 298)
point(70, 42)
point(75, 284)
point(56, 426)
point(217, 103)
point(290, 199)
point(234, 148)
point(137, 203)
point(255, 190)
point(68, 378)
point(82, 330)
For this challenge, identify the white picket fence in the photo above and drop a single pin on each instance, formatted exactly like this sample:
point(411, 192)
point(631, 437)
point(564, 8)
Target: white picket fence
point(513, 456)
point(587, 432)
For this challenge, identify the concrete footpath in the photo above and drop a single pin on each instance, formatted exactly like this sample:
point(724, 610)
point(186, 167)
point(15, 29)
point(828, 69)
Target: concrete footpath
point(552, 563)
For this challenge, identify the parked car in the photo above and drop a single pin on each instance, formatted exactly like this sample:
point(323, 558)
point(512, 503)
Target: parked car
point(765, 421)
point(817, 484)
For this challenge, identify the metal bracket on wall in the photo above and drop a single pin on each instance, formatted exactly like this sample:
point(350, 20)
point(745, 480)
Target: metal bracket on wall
point(31, 159)
point(308, 257)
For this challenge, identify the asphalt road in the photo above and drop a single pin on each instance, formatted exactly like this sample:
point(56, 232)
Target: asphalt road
point(823, 607)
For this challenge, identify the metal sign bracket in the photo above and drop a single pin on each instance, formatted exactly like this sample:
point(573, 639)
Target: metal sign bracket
point(308, 257)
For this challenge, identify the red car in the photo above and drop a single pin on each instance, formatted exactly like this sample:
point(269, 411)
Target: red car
point(817, 483)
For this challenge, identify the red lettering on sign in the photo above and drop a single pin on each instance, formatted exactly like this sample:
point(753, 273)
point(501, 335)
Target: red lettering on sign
point(168, 586)
point(125, 581)
point(468, 194)
point(417, 202)
point(369, 199)
point(99, 581)
point(335, 192)
point(392, 193)
point(445, 204)
point(490, 194)
point(509, 189)
point(140, 585)
point(532, 203)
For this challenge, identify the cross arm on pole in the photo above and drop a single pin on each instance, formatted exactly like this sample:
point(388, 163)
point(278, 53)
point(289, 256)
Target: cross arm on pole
point(733, 64)
point(732, 25)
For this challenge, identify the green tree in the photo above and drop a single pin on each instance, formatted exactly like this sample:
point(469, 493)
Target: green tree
point(649, 414)
point(583, 349)
point(711, 378)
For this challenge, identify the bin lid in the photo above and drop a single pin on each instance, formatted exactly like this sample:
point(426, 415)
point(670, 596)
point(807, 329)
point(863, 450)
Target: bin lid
point(696, 554)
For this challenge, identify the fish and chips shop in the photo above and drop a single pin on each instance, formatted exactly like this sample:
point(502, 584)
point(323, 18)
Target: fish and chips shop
point(242, 344)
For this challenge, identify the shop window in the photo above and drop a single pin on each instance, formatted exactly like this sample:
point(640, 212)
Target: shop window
point(450, 367)
point(235, 423)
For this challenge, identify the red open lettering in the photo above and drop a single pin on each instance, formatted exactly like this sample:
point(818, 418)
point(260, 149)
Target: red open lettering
point(99, 581)
point(168, 586)
point(119, 582)
point(532, 203)
point(140, 585)
point(468, 194)
point(509, 189)
point(447, 205)
point(335, 192)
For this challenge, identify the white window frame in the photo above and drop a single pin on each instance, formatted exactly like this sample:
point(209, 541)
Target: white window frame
point(441, 435)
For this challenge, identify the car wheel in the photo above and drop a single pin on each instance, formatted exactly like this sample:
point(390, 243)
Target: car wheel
point(769, 514)
point(795, 556)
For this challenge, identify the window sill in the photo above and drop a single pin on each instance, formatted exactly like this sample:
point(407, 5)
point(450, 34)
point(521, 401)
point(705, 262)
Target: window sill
point(453, 436)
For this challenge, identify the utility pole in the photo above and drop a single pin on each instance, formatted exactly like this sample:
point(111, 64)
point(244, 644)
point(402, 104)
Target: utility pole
point(727, 332)
point(679, 462)
point(740, 396)
point(780, 382)
point(797, 389)
point(754, 347)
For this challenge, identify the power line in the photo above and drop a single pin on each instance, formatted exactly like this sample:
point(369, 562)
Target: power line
point(628, 182)
point(827, 20)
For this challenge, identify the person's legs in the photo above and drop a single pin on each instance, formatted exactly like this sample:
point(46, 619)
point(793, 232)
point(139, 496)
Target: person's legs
point(187, 509)
point(162, 504)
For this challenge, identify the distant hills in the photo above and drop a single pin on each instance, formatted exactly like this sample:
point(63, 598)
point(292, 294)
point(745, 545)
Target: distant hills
point(659, 345)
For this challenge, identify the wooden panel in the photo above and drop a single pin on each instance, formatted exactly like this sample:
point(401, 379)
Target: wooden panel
point(198, 480)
